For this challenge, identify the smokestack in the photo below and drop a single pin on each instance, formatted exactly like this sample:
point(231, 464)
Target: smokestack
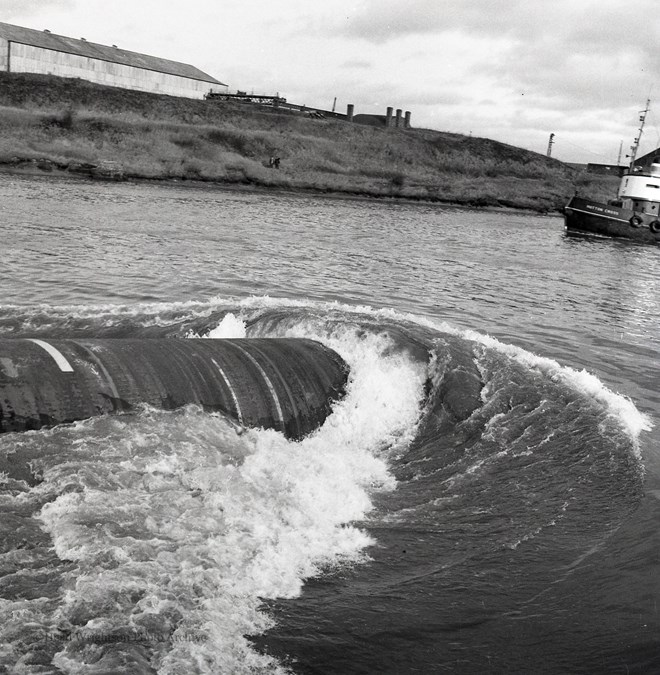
point(349, 112)
point(406, 121)
point(398, 118)
point(388, 117)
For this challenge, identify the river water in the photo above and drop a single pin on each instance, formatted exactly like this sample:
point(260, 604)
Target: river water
point(485, 499)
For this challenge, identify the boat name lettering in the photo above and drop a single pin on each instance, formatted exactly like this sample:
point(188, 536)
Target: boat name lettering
point(600, 209)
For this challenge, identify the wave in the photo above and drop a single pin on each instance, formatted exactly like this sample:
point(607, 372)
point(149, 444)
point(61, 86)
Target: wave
point(169, 529)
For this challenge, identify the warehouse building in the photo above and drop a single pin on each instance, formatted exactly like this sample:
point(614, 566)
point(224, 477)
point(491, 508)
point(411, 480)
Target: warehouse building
point(24, 50)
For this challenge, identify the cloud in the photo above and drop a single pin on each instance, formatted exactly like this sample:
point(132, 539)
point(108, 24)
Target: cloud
point(588, 23)
point(359, 64)
point(380, 21)
point(596, 50)
point(581, 67)
point(13, 8)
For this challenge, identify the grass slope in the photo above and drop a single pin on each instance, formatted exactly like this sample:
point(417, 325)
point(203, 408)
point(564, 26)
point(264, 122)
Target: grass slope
point(68, 122)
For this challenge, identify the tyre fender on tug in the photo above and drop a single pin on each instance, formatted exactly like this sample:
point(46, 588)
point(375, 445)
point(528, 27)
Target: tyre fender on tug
point(654, 226)
point(636, 221)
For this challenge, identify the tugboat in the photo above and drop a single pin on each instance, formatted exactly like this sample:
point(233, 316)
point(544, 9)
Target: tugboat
point(634, 214)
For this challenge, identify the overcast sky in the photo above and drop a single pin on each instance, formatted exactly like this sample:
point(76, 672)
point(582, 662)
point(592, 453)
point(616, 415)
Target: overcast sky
point(511, 70)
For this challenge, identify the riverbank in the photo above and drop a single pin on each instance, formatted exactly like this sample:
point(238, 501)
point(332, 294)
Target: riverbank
point(41, 169)
point(52, 124)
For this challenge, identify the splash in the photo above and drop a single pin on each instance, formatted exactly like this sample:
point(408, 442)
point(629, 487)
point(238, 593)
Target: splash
point(230, 327)
point(620, 408)
point(230, 317)
point(178, 524)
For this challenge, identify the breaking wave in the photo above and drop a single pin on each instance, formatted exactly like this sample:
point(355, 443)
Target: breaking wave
point(148, 542)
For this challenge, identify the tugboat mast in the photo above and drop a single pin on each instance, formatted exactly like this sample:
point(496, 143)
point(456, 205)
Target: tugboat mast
point(635, 146)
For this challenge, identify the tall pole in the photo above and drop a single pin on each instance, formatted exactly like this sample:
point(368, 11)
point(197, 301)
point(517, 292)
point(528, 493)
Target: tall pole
point(550, 142)
point(618, 159)
point(635, 146)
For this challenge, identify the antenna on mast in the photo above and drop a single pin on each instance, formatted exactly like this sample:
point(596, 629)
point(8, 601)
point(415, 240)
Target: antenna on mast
point(551, 140)
point(635, 146)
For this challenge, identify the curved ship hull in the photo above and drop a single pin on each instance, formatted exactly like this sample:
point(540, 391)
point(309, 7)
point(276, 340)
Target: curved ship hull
point(584, 217)
point(286, 384)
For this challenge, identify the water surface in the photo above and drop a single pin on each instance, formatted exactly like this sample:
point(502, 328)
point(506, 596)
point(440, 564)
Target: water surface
point(502, 518)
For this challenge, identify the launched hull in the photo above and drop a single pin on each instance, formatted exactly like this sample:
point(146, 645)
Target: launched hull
point(584, 217)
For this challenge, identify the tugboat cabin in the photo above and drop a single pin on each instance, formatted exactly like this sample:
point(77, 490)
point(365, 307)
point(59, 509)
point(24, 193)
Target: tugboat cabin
point(640, 191)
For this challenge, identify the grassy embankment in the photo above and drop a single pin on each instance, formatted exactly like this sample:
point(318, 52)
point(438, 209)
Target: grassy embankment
point(67, 122)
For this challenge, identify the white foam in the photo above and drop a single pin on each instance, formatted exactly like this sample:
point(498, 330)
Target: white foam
point(181, 523)
point(230, 327)
point(620, 407)
point(173, 521)
point(233, 325)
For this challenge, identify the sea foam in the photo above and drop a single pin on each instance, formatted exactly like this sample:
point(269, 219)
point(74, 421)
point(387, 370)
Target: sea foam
point(177, 525)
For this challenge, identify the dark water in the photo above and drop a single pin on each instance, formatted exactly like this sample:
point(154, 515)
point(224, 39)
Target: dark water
point(485, 499)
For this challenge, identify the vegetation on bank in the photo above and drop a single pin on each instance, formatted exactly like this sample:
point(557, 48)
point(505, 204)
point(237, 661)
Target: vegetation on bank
point(69, 124)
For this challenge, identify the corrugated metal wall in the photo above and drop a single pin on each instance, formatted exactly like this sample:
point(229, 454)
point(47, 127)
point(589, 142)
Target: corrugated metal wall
point(4, 54)
point(28, 59)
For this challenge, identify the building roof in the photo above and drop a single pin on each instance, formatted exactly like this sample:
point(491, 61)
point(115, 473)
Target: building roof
point(647, 159)
point(60, 43)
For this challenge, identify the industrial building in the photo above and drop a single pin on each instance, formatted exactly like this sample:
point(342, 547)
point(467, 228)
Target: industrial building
point(24, 50)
